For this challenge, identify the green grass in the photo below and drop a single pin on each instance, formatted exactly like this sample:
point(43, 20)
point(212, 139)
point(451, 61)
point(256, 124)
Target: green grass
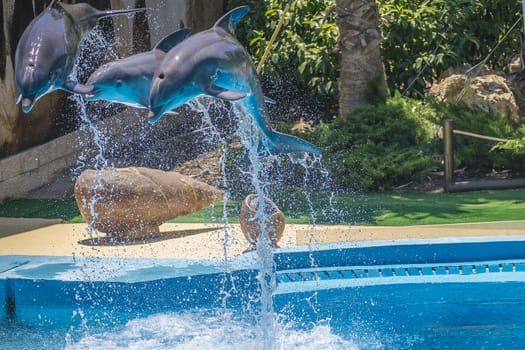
point(388, 209)
point(445, 208)
point(65, 209)
point(384, 209)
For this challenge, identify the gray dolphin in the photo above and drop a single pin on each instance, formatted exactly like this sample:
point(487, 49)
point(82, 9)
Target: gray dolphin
point(213, 62)
point(128, 80)
point(48, 48)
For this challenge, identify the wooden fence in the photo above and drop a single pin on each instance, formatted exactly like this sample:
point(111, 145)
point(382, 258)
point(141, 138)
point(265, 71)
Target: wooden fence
point(448, 156)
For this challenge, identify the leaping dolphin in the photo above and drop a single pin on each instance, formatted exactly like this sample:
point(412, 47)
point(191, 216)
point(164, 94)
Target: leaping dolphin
point(214, 63)
point(48, 48)
point(128, 80)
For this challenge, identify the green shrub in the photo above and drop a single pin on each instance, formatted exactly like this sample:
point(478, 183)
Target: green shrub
point(511, 153)
point(475, 152)
point(379, 147)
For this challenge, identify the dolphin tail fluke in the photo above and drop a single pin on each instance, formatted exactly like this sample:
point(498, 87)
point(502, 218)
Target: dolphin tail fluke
point(230, 20)
point(85, 13)
point(119, 12)
point(281, 143)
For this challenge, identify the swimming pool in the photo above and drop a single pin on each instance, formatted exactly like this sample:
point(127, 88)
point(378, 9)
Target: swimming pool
point(413, 294)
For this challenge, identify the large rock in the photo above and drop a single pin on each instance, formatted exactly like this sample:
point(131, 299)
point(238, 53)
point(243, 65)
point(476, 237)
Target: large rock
point(133, 202)
point(488, 90)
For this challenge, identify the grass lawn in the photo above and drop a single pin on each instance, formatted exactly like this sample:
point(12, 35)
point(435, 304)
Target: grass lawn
point(384, 209)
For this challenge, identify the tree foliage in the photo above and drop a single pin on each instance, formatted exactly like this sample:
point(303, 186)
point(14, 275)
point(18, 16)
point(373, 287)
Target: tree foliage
point(422, 38)
point(306, 48)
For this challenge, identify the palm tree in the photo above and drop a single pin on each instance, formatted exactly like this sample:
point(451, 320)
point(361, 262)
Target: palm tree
point(362, 74)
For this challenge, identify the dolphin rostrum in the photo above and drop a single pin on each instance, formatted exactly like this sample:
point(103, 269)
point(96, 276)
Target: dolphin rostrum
point(48, 48)
point(214, 63)
point(128, 80)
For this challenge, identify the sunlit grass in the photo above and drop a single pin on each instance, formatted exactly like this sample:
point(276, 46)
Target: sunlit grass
point(384, 209)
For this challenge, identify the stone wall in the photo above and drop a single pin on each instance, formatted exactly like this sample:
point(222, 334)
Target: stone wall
point(38, 166)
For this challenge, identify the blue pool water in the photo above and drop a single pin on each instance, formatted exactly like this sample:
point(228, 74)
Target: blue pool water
point(425, 294)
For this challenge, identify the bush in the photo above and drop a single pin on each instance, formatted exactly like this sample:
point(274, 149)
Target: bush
point(379, 147)
point(511, 154)
point(474, 152)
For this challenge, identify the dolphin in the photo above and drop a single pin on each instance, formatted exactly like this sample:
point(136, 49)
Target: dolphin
point(128, 80)
point(214, 63)
point(48, 48)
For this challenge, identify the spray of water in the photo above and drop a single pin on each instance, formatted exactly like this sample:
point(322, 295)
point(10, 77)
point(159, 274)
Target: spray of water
point(92, 140)
point(268, 333)
point(199, 330)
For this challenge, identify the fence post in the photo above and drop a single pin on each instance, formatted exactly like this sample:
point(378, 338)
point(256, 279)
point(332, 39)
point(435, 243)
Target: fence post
point(448, 158)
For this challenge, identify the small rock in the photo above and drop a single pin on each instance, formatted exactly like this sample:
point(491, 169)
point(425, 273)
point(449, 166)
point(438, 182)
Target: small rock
point(273, 220)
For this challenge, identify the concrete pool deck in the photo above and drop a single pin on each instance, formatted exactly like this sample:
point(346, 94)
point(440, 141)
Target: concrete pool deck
point(211, 241)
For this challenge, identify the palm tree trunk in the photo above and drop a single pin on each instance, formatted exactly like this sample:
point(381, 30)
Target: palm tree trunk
point(362, 76)
point(202, 14)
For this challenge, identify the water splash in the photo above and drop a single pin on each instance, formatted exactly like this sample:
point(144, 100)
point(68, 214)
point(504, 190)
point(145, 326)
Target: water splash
point(202, 106)
point(198, 330)
point(92, 140)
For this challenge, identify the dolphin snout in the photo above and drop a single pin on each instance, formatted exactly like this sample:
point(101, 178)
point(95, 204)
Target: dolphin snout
point(27, 104)
point(155, 114)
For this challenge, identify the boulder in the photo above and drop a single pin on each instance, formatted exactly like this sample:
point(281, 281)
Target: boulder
point(488, 90)
point(133, 202)
point(252, 221)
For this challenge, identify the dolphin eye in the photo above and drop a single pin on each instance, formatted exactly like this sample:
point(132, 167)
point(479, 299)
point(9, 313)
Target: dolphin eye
point(119, 83)
point(161, 76)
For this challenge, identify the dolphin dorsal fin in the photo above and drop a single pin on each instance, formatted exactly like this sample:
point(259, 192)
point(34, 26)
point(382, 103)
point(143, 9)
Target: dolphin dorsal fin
point(230, 20)
point(168, 42)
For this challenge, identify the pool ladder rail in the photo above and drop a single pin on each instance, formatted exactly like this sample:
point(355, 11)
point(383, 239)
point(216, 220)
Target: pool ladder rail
point(384, 274)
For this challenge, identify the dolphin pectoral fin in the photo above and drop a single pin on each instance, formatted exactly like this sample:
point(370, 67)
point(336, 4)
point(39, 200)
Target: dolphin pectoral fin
point(168, 42)
point(231, 95)
point(69, 86)
point(83, 89)
point(224, 94)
